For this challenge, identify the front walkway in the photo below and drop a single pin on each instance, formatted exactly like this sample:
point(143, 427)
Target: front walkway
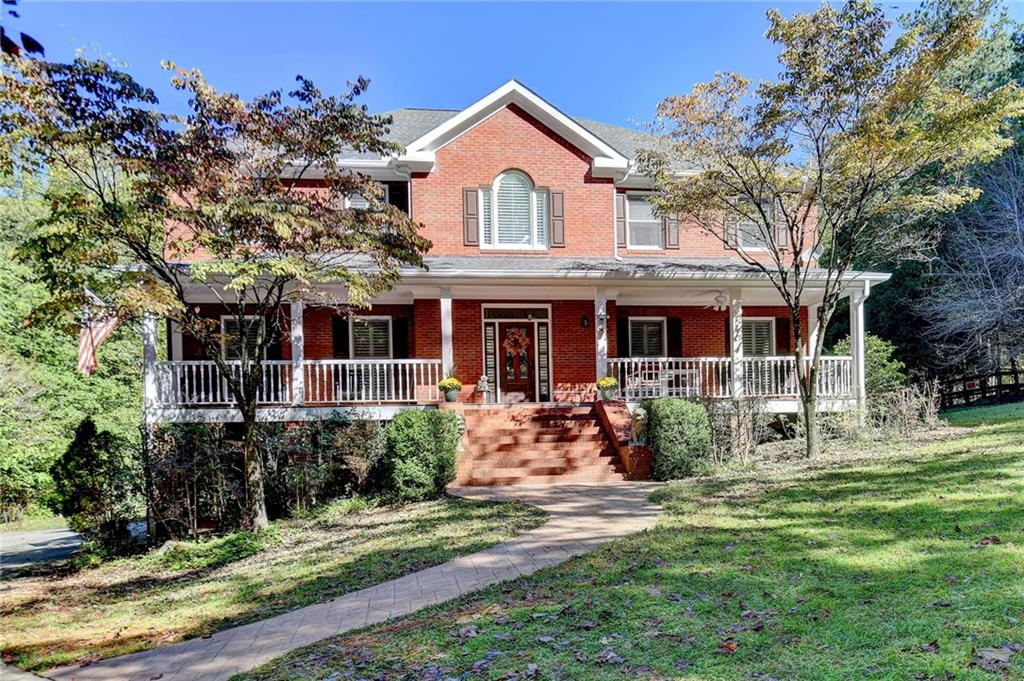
point(580, 518)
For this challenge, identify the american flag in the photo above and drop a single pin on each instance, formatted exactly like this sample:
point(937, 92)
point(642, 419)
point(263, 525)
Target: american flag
point(91, 336)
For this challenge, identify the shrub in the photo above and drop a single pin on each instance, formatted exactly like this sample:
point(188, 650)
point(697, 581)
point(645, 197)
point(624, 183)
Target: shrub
point(904, 411)
point(215, 552)
point(301, 470)
point(193, 479)
point(97, 485)
point(883, 372)
point(360, 447)
point(421, 451)
point(737, 427)
point(679, 435)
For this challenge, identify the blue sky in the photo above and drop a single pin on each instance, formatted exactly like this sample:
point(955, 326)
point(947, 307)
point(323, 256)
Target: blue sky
point(607, 61)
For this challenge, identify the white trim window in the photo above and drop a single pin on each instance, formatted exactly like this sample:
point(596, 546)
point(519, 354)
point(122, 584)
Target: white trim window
point(647, 337)
point(370, 338)
point(231, 337)
point(750, 234)
point(515, 213)
point(360, 202)
point(758, 337)
point(644, 229)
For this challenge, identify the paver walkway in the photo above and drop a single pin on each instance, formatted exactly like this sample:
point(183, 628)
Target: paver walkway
point(580, 518)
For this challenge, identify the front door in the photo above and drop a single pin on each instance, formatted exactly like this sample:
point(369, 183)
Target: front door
point(516, 352)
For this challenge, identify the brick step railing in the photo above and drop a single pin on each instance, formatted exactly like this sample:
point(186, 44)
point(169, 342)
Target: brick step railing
point(531, 444)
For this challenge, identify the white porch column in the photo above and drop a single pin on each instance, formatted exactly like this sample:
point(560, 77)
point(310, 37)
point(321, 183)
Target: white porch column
point(736, 341)
point(447, 354)
point(149, 379)
point(812, 324)
point(298, 354)
point(601, 330)
point(857, 297)
point(176, 352)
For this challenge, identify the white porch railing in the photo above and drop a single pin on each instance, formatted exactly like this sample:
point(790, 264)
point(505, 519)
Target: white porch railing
point(200, 383)
point(326, 382)
point(642, 378)
point(765, 377)
point(776, 377)
point(371, 381)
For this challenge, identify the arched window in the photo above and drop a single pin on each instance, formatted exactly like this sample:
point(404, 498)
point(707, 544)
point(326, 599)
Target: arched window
point(514, 212)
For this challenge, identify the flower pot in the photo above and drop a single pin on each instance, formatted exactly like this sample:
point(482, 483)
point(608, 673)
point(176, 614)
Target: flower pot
point(451, 396)
point(607, 394)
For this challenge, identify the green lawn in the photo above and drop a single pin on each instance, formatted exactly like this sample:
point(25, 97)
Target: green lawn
point(138, 603)
point(36, 519)
point(882, 562)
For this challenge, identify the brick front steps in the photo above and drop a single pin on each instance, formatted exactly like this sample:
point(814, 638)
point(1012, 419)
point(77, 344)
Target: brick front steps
point(536, 444)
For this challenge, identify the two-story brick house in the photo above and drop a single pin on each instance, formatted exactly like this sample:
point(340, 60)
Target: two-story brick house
point(548, 270)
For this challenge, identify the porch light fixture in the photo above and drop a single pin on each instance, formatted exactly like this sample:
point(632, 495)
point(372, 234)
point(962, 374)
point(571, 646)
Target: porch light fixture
point(585, 321)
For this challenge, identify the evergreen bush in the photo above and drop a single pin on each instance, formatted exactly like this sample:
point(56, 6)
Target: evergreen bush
point(420, 457)
point(679, 434)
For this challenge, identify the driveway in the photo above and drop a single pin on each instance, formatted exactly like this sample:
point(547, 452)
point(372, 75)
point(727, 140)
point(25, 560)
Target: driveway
point(20, 550)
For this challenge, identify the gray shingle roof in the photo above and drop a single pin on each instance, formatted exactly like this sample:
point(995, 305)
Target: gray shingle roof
point(409, 124)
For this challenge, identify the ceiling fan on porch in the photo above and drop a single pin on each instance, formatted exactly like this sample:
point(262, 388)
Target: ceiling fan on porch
point(721, 303)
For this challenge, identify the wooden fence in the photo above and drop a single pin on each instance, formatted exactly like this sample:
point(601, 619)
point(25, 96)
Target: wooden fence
point(995, 387)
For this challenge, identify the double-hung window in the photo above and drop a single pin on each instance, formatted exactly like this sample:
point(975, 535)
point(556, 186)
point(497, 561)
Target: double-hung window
point(514, 213)
point(646, 337)
point(644, 229)
point(371, 337)
point(750, 229)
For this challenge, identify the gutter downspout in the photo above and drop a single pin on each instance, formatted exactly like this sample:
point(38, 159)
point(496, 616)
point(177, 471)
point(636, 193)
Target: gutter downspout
point(615, 200)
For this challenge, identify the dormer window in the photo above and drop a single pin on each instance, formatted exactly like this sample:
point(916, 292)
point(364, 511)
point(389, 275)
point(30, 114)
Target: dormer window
point(514, 213)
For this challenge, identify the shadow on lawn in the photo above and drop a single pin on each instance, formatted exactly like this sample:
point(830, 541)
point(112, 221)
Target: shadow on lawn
point(422, 539)
point(858, 566)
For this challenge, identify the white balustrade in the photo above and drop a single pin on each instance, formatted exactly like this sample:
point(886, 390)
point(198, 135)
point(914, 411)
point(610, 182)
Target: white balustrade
point(200, 383)
point(327, 381)
point(643, 378)
point(371, 381)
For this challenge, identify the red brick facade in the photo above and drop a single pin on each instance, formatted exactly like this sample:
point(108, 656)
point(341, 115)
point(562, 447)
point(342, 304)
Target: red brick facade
point(510, 139)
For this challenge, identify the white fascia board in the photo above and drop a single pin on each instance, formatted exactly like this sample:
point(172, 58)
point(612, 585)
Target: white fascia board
point(734, 278)
point(376, 168)
point(606, 161)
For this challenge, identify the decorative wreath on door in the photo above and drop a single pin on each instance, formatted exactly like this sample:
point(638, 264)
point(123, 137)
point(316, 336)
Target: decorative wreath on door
point(516, 341)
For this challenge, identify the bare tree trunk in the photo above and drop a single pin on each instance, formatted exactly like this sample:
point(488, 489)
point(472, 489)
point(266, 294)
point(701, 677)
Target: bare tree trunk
point(807, 380)
point(256, 506)
point(813, 443)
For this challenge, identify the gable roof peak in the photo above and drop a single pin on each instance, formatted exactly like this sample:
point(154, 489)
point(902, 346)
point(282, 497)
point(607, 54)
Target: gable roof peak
point(606, 160)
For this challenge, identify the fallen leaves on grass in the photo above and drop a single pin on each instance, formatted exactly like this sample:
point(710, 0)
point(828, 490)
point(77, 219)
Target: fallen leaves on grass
point(727, 647)
point(995, 660)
